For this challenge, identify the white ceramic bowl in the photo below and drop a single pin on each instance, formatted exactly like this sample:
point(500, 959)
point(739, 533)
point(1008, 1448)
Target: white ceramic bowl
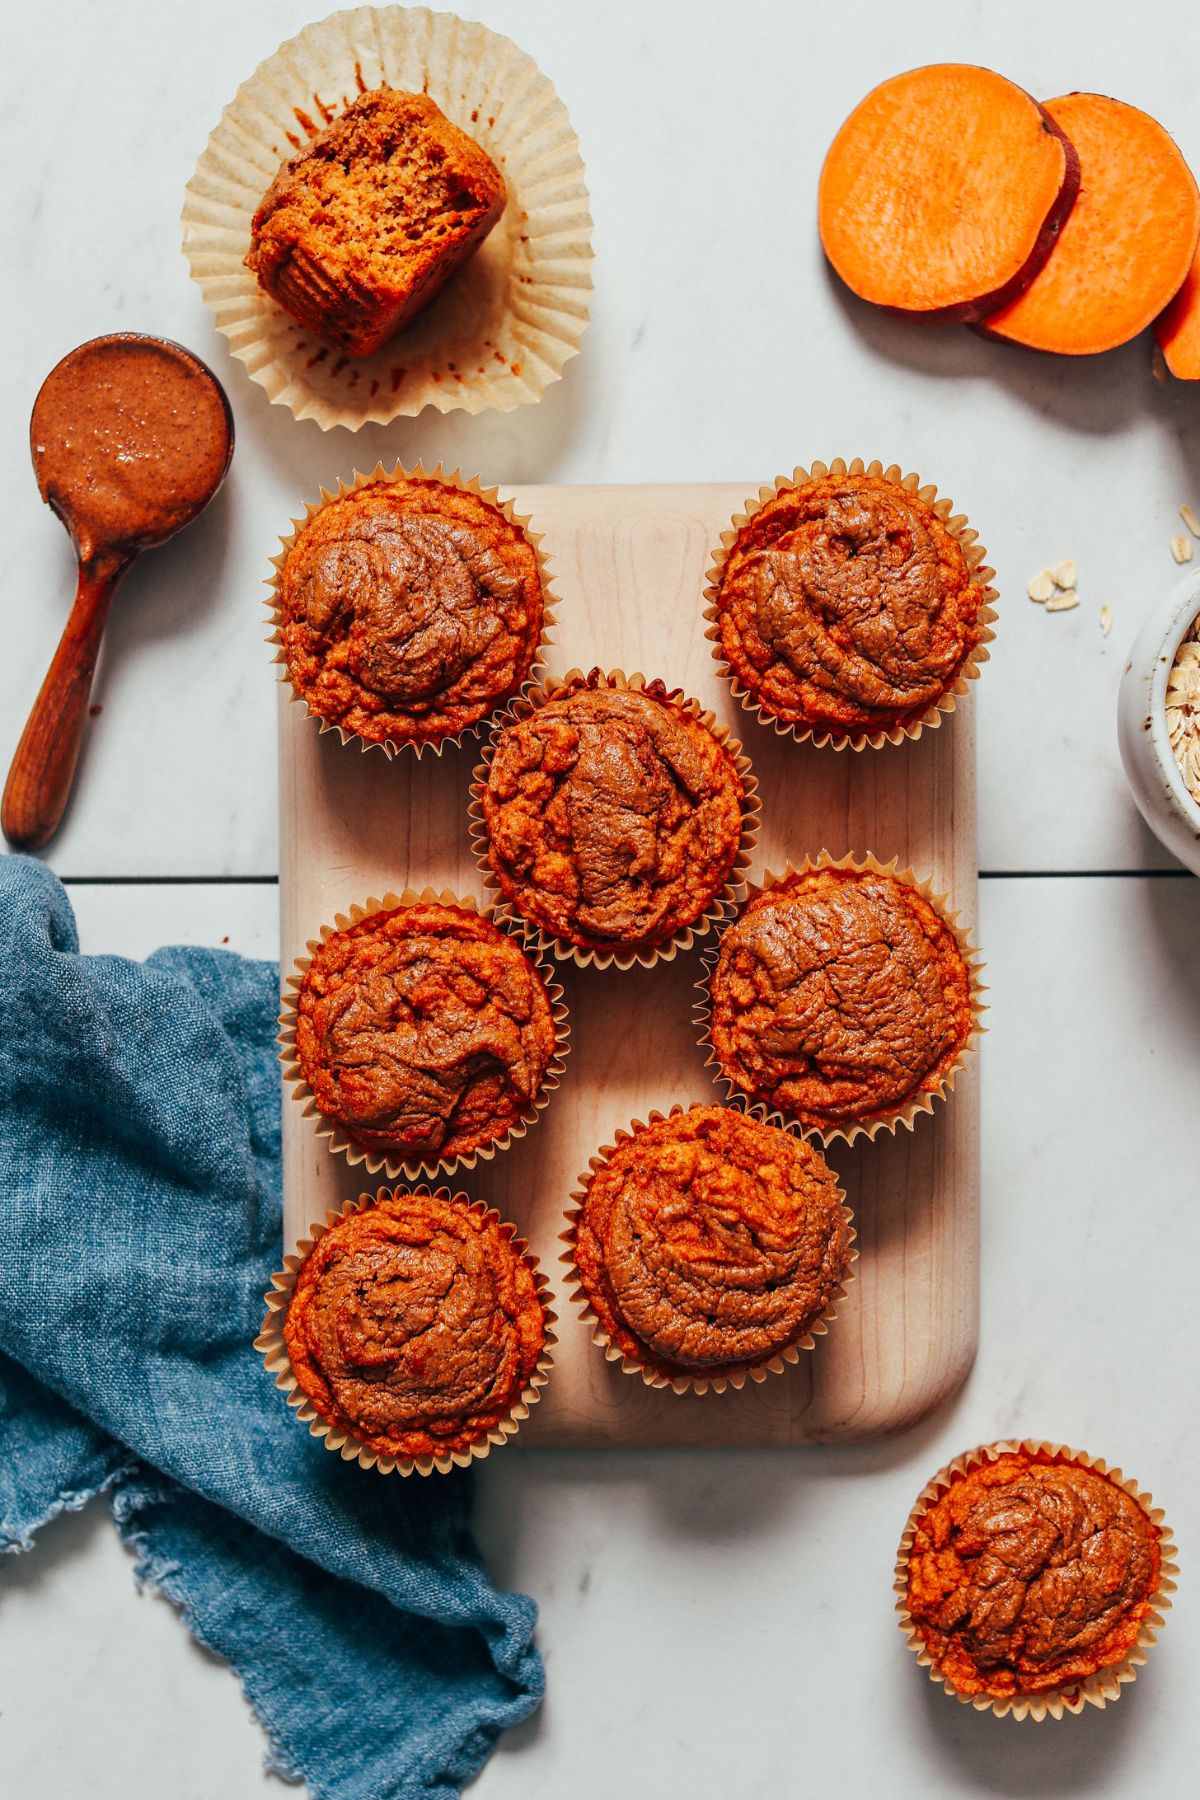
point(1150, 767)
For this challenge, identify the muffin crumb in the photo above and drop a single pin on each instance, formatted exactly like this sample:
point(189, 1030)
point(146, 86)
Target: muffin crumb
point(361, 228)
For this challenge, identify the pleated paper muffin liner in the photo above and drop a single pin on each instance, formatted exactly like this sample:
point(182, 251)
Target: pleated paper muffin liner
point(398, 475)
point(923, 1102)
point(396, 1168)
point(1073, 1696)
point(503, 327)
point(981, 575)
point(723, 903)
point(272, 1345)
point(737, 1375)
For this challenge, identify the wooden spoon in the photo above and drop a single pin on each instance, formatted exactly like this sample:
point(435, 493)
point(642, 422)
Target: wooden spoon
point(130, 437)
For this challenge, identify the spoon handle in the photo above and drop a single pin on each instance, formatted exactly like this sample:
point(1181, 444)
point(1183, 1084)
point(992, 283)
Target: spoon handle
point(39, 781)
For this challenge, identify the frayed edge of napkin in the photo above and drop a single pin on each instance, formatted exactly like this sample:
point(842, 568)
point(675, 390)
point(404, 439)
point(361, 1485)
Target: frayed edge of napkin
point(157, 1573)
point(69, 1500)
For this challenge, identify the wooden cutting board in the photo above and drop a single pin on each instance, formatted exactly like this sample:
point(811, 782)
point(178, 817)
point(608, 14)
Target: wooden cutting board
point(629, 568)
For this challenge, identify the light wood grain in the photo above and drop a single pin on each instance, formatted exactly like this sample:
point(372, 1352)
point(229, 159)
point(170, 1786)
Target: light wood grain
point(629, 567)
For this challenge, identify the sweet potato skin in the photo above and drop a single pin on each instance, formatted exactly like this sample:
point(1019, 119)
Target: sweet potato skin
point(1096, 123)
point(970, 308)
point(1177, 329)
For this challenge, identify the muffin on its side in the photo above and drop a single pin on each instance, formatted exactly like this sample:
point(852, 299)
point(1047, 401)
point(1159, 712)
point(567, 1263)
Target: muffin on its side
point(708, 1244)
point(849, 605)
point(839, 996)
point(408, 609)
point(1026, 1571)
point(362, 227)
point(424, 1033)
point(614, 814)
point(415, 1325)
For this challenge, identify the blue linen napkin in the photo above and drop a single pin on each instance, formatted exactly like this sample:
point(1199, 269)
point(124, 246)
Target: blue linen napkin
point(139, 1224)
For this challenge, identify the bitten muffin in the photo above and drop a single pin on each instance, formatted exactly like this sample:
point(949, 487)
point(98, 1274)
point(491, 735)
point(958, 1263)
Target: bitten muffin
point(839, 997)
point(1029, 1573)
point(846, 605)
point(424, 1032)
point(614, 816)
point(709, 1242)
point(408, 610)
point(415, 1325)
point(360, 229)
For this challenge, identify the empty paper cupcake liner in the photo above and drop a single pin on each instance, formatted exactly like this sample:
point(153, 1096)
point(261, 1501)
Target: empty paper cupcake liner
point(724, 901)
point(973, 551)
point(735, 1377)
point(1097, 1689)
point(504, 326)
point(398, 474)
point(272, 1346)
point(920, 1103)
point(339, 1141)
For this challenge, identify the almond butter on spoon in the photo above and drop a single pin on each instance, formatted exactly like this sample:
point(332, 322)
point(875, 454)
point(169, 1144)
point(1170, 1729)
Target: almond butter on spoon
point(131, 437)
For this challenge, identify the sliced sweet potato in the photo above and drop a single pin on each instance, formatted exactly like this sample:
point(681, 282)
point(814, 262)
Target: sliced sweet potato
point(1178, 328)
point(1128, 243)
point(943, 192)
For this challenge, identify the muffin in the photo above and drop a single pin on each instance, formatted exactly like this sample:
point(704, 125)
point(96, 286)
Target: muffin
point(1027, 1572)
point(423, 1034)
point(415, 1327)
point(841, 998)
point(362, 227)
point(849, 606)
point(709, 1246)
point(614, 815)
point(408, 608)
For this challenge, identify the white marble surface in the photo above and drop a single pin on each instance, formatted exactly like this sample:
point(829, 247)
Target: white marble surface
point(707, 1619)
point(720, 348)
point(715, 1625)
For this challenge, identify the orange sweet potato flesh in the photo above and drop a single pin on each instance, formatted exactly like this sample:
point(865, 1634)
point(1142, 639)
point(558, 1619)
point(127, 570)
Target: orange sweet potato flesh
point(944, 191)
point(1128, 244)
point(1178, 328)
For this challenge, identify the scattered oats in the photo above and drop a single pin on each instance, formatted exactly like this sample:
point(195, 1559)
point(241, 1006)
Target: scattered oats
point(1181, 549)
point(1063, 601)
point(1183, 709)
point(1106, 619)
point(1190, 520)
point(1064, 574)
point(1041, 587)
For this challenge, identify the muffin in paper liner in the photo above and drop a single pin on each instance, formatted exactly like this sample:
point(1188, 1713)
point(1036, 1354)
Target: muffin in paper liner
point(923, 1102)
point(956, 523)
point(724, 901)
point(504, 326)
point(398, 474)
point(1073, 1696)
point(658, 1377)
point(272, 1346)
point(339, 1141)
